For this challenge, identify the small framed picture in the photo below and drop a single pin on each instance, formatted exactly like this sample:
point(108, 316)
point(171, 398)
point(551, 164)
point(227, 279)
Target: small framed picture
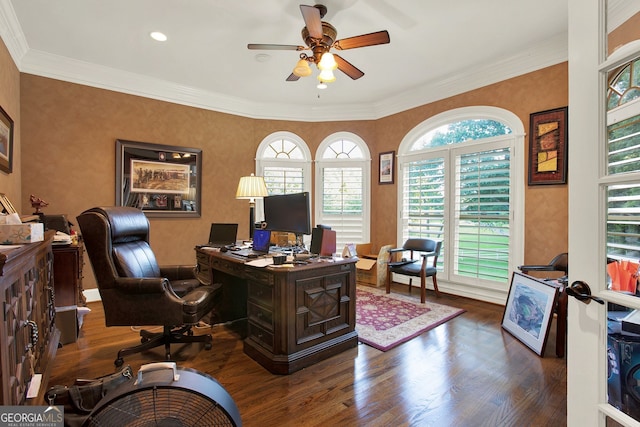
point(387, 167)
point(349, 250)
point(529, 310)
point(548, 147)
point(6, 142)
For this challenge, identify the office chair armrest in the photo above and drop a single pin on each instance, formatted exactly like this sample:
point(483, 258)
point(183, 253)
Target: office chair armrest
point(397, 250)
point(401, 263)
point(427, 254)
point(144, 285)
point(178, 272)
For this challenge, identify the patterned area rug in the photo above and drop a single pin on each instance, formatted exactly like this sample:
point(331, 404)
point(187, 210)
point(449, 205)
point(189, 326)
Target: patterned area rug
point(385, 321)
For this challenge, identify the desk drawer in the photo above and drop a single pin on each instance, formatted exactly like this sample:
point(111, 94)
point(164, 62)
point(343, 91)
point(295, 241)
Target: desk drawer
point(260, 316)
point(261, 335)
point(259, 275)
point(230, 267)
point(261, 294)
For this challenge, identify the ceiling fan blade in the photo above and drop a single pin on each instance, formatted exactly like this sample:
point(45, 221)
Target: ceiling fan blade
point(371, 39)
point(348, 68)
point(275, 46)
point(312, 20)
point(292, 78)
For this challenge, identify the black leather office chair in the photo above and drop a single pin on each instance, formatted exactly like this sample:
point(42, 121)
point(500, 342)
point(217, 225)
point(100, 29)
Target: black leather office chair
point(559, 263)
point(417, 265)
point(134, 289)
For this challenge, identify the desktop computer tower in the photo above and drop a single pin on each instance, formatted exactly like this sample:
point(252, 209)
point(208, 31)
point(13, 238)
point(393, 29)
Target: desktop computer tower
point(323, 241)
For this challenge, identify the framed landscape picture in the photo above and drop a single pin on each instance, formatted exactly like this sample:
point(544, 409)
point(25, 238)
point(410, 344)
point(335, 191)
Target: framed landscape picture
point(529, 310)
point(162, 180)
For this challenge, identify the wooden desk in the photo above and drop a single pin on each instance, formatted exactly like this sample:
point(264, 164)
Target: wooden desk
point(295, 316)
point(68, 261)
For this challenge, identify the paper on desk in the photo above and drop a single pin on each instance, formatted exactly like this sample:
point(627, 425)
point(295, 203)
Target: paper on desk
point(260, 262)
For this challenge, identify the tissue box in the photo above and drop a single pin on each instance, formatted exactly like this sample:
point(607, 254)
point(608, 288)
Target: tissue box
point(16, 234)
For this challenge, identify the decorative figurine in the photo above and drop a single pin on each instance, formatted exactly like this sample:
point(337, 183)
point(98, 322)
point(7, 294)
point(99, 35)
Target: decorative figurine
point(37, 203)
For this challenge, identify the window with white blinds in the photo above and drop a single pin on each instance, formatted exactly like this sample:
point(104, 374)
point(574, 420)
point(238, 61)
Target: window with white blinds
point(342, 202)
point(284, 160)
point(457, 186)
point(482, 214)
point(623, 164)
point(423, 205)
point(342, 189)
point(283, 180)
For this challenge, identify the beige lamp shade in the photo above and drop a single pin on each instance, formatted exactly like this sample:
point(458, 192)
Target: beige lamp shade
point(251, 187)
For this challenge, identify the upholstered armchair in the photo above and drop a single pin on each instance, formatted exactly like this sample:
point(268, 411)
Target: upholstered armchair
point(134, 289)
point(417, 264)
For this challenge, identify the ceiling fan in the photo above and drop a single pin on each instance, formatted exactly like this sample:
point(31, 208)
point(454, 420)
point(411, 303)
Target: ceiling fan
point(320, 37)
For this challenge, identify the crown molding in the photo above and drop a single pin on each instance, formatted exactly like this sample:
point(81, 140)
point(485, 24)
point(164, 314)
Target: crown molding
point(11, 33)
point(549, 52)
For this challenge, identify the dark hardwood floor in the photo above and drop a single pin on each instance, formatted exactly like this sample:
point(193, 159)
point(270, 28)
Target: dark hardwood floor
point(466, 372)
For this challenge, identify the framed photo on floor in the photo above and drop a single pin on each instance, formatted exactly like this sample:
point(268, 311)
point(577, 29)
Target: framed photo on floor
point(529, 310)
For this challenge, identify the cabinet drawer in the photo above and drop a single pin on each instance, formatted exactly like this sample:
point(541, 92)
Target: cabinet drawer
point(262, 336)
point(261, 294)
point(259, 275)
point(261, 316)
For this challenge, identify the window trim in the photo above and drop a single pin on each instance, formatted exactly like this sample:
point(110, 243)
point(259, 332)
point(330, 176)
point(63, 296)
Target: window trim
point(496, 294)
point(304, 163)
point(364, 162)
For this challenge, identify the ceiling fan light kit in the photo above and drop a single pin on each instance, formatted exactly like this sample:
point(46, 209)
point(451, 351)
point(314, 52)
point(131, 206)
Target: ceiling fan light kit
point(320, 38)
point(326, 76)
point(302, 68)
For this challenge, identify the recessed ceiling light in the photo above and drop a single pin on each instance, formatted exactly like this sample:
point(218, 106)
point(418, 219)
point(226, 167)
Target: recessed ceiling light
point(262, 57)
point(157, 35)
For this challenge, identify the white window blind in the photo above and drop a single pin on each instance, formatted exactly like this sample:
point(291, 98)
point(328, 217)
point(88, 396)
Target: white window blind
point(342, 202)
point(283, 180)
point(482, 214)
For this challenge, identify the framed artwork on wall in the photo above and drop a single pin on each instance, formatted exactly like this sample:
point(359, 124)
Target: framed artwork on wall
point(548, 147)
point(6, 142)
point(529, 310)
point(386, 167)
point(162, 180)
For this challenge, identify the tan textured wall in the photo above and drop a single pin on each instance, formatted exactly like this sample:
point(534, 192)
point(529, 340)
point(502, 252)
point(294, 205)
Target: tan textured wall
point(69, 135)
point(10, 101)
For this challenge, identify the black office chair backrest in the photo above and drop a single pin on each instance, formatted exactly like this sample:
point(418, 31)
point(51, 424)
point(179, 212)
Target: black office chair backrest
point(422, 245)
point(561, 262)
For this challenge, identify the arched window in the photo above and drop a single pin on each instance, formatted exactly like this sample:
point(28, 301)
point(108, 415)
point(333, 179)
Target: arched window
point(343, 176)
point(460, 182)
point(623, 162)
point(284, 160)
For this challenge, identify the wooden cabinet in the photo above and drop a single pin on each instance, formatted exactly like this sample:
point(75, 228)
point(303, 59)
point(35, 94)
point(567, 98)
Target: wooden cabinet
point(296, 316)
point(28, 337)
point(67, 272)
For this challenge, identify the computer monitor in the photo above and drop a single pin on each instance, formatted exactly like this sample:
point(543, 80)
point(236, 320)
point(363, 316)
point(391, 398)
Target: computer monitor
point(222, 234)
point(288, 212)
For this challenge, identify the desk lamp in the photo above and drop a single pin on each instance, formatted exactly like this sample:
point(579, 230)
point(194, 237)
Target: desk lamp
point(252, 188)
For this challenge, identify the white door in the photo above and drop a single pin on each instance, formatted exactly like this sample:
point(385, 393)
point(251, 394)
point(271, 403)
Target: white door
point(592, 186)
